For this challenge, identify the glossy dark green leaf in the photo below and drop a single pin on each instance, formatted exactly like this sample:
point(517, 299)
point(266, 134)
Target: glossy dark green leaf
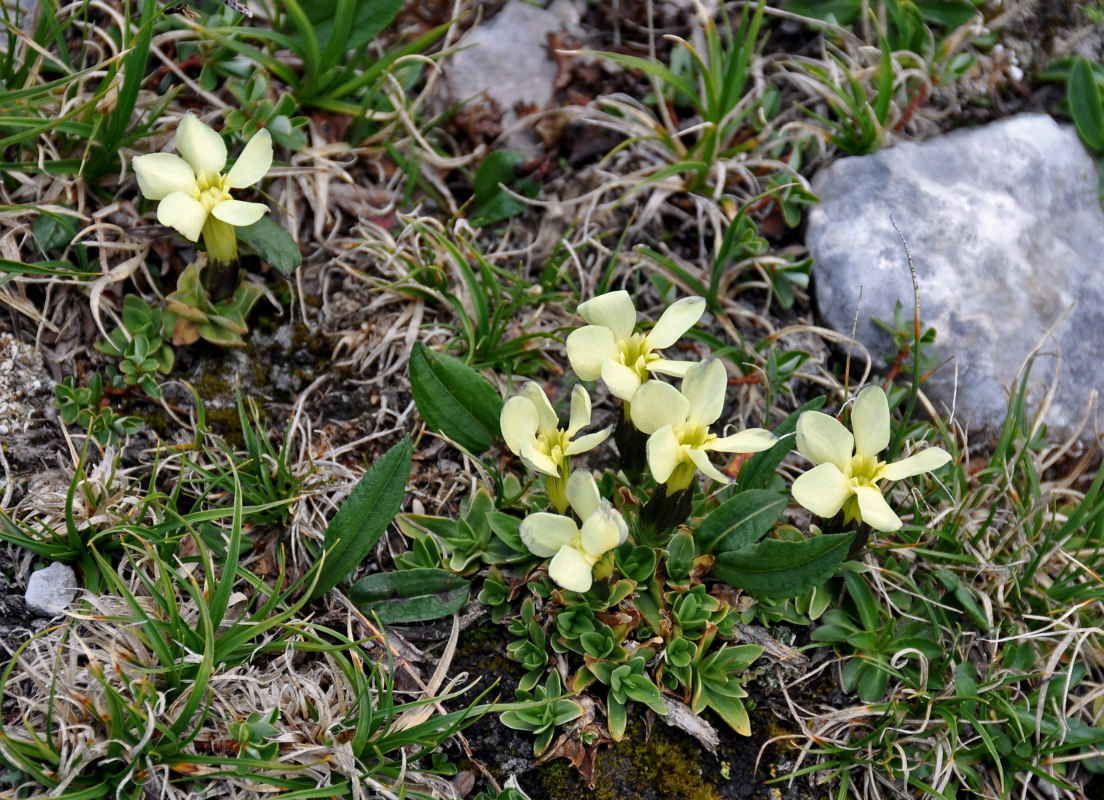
point(1086, 108)
point(490, 202)
point(454, 399)
point(365, 515)
point(780, 570)
point(272, 243)
point(740, 521)
point(410, 595)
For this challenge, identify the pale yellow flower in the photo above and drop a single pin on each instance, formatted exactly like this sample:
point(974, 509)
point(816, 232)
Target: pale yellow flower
point(677, 422)
point(608, 349)
point(532, 430)
point(848, 473)
point(575, 550)
point(195, 196)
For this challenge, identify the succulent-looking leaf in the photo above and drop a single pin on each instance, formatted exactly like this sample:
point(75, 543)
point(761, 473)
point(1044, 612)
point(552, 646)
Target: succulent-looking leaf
point(272, 243)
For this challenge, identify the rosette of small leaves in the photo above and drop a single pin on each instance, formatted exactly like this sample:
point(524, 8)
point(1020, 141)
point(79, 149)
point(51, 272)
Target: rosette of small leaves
point(193, 316)
point(253, 736)
point(876, 642)
point(496, 594)
point(141, 345)
point(627, 681)
point(693, 610)
point(716, 683)
point(479, 535)
point(256, 110)
point(542, 720)
point(530, 647)
point(81, 405)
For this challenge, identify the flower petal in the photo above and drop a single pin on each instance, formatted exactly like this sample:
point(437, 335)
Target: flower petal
point(183, 212)
point(201, 147)
point(580, 410)
point(588, 348)
point(588, 442)
point(676, 369)
point(518, 421)
point(621, 381)
point(657, 404)
point(534, 456)
point(664, 450)
point(603, 530)
point(702, 462)
point(875, 511)
point(870, 421)
point(822, 490)
point(679, 317)
point(254, 162)
point(916, 464)
point(548, 422)
point(614, 310)
point(572, 570)
point(544, 534)
point(161, 174)
point(753, 440)
point(704, 386)
point(824, 439)
point(582, 493)
point(238, 212)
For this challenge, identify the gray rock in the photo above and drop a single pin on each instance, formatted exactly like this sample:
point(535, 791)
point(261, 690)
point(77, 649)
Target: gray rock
point(508, 58)
point(51, 590)
point(1007, 236)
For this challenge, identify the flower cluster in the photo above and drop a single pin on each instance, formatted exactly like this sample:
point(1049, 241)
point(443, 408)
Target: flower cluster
point(676, 423)
point(848, 474)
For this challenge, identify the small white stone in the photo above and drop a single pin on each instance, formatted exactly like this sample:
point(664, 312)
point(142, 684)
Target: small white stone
point(51, 590)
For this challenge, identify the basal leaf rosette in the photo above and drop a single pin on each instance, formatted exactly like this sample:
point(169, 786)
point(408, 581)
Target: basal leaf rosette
point(849, 474)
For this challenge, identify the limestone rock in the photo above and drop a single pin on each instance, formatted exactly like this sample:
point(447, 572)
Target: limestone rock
point(509, 59)
point(1007, 237)
point(51, 590)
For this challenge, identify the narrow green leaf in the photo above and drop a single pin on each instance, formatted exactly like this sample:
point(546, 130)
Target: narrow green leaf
point(759, 469)
point(454, 399)
point(272, 243)
point(864, 601)
point(410, 595)
point(365, 515)
point(780, 570)
point(740, 521)
point(1083, 94)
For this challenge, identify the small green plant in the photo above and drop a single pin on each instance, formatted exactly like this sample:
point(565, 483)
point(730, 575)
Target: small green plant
point(193, 315)
point(82, 405)
point(140, 345)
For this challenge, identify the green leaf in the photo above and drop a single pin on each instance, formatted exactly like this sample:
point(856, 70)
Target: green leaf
point(454, 399)
point(948, 13)
point(490, 202)
point(272, 243)
point(364, 516)
point(412, 595)
point(864, 601)
point(1083, 94)
point(740, 521)
point(759, 469)
point(781, 570)
point(369, 19)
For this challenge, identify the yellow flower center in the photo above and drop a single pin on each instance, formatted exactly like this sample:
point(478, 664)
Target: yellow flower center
point(211, 190)
point(862, 470)
point(636, 354)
